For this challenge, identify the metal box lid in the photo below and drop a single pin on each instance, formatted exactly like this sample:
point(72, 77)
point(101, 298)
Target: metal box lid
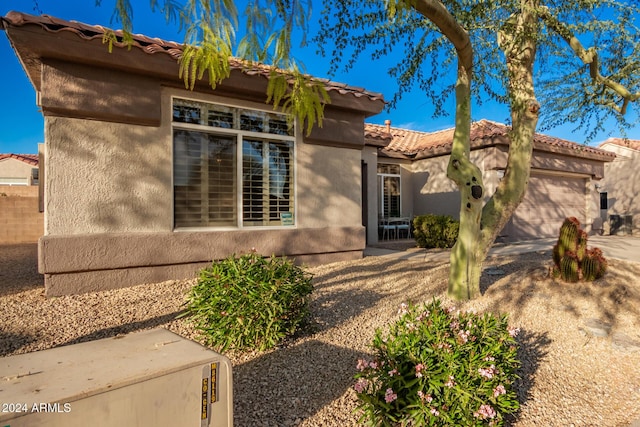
point(78, 371)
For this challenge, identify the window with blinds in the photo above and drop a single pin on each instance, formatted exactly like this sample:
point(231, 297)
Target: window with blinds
point(389, 193)
point(267, 181)
point(232, 166)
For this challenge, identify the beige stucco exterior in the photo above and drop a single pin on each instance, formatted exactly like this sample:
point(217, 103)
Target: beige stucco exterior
point(622, 184)
point(109, 165)
point(16, 172)
point(561, 185)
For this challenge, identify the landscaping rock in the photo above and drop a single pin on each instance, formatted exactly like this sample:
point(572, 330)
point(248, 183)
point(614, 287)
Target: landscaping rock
point(623, 342)
point(597, 328)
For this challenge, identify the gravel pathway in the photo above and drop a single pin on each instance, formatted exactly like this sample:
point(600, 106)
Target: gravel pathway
point(580, 343)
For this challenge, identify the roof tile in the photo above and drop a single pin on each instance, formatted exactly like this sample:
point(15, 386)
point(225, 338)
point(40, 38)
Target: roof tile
point(483, 132)
point(31, 159)
point(634, 144)
point(155, 46)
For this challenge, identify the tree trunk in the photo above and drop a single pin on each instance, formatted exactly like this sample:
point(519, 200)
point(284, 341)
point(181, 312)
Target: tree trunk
point(480, 226)
point(464, 274)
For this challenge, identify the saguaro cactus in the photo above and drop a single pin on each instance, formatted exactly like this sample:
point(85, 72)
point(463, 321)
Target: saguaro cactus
point(573, 260)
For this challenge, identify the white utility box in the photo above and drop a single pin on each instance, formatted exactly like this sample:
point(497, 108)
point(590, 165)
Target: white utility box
point(150, 378)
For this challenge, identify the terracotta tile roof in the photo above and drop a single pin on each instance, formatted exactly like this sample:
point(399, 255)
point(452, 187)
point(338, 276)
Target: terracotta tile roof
point(156, 46)
point(31, 159)
point(403, 141)
point(634, 144)
point(483, 133)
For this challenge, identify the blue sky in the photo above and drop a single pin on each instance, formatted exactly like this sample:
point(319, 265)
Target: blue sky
point(22, 123)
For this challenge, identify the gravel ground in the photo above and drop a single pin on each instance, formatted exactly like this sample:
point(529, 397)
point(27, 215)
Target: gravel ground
point(571, 376)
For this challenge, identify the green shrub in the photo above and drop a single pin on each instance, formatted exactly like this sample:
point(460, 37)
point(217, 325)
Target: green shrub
point(440, 368)
point(435, 231)
point(249, 301)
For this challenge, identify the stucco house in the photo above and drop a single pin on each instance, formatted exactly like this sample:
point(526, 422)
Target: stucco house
point(21, 208)
point(146, 181)
point(409, 168)
point(620, 189)
point(18, 169)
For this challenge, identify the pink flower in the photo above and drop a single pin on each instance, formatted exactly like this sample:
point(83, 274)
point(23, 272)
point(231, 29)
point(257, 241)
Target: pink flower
point(489, 359)
point(451, 382)
point(362, 365)
point(403, 308)
point(464, 336)
point(513, 331)
point(484, 412)
point(424, 397)
point(499, 390)
point(390, 396)
point(444, 345)
point(419, 368)
point(393, 372)
point(488, 372)
point(422, 316)
point(360, 385)
point(373, 365)
point(434, 411)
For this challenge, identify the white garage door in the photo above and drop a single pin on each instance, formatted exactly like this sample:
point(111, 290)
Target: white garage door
point(548, 201)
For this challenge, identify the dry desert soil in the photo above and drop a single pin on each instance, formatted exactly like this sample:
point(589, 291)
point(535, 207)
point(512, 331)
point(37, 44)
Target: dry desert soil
point(579, 343)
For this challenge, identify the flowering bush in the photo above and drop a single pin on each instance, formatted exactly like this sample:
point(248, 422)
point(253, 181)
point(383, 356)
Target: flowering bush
point(438, 367)
point(249, 302)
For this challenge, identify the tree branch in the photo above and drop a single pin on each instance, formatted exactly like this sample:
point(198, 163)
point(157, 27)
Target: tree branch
point(590, 57)
point(437, 13)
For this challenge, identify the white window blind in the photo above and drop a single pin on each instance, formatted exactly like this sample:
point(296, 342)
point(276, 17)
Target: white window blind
point(208, 190)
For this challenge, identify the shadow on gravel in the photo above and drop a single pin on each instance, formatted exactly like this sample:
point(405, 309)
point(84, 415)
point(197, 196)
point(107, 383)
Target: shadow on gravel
point(336, 299)
point(127, 328)
point(10, 342)
point(19, 268)
point(532, 351)
point(270, 388)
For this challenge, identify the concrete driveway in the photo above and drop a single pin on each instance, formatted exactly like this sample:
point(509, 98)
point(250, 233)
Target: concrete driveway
point(619, 247)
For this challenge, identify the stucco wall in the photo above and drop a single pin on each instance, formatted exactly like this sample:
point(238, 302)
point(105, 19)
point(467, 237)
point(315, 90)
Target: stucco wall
point(109, 204)
point(433, 192)
point(328, 183)
point(370, 157)
point(105, 177)
point(622, 184)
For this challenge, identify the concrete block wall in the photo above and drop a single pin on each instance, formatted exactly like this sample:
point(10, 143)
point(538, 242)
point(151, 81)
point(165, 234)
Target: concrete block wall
point(20, 219)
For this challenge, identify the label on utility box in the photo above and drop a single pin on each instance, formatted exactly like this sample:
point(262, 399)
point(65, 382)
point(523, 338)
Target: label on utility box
point(214, 382)
point(209, 392)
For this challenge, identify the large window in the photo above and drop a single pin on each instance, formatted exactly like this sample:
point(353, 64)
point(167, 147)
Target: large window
point(389, 203)
point(232, 166)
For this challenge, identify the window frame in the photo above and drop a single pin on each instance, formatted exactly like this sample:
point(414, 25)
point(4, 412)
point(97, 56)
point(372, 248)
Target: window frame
point(381, 176)
point(240, 136)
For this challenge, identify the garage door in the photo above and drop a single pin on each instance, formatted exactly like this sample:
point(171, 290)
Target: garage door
point(548, 201)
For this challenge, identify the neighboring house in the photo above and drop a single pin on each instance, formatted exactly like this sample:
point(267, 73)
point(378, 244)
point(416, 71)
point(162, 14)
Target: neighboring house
point(21, 217)
point(18, 169)
point(620, 189)
point(410, 167)
point(146, 181)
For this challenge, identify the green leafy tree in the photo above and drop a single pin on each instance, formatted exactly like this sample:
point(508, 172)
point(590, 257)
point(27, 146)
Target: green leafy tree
point(474, 50)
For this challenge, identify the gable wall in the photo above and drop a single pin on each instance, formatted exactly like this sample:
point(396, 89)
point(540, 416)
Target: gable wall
point(15, 169)
point(622, 184)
